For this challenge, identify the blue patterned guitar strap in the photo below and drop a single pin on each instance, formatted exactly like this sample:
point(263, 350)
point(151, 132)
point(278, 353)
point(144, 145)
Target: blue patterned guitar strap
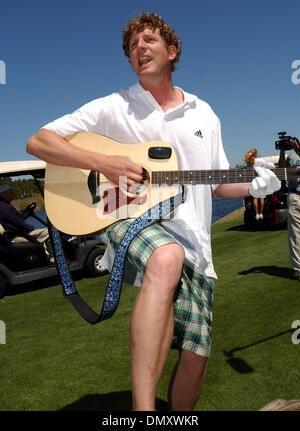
point(114, 286)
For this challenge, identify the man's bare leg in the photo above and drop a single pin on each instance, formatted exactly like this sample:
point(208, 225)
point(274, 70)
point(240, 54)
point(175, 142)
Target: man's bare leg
point(187, 381)
point(152, 323)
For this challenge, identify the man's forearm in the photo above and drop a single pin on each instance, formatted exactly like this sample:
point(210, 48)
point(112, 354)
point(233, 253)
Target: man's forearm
point(233, 191)
point(52, 148)
point(17, 220)
point(281, 161)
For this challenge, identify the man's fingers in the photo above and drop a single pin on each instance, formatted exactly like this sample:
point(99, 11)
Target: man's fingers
point(261, 184)
point(295, 144)
point(272, 182)
point(258, 188)
point(134, 173)
point(265, 184)
point(121, 168)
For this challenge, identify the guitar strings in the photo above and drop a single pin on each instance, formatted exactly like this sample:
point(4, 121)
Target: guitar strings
point(208, 176)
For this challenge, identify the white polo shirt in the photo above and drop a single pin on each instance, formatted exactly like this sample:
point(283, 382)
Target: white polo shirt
point(131, 116)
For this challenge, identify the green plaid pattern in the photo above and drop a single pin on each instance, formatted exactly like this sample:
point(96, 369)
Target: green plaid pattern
point(193, 304)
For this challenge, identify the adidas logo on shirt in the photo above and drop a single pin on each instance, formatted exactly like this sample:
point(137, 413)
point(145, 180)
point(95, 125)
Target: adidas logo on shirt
point(198, 133)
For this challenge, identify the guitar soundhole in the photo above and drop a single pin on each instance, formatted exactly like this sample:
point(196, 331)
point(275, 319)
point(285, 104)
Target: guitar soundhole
point(93, 184)
point(141, 188)
point(136, 190)
point(146, 176)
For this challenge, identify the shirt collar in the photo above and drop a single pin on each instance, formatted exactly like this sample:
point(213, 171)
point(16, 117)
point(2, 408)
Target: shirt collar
point(137, 90)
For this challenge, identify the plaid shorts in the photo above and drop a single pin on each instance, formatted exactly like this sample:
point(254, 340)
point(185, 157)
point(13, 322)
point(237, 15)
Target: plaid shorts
point(193, 302)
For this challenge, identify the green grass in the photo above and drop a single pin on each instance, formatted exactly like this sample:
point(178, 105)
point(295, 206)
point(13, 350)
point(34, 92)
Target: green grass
point(54, 360)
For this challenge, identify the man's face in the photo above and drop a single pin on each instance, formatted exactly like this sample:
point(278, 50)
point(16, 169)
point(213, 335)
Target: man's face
point(149, 54)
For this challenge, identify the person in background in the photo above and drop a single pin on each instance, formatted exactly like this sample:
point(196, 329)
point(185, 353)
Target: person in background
point(258, 203)
point(293, 159)
point(11, 219)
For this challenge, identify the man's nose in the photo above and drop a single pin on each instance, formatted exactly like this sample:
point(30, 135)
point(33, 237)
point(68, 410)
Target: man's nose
point(141, 43)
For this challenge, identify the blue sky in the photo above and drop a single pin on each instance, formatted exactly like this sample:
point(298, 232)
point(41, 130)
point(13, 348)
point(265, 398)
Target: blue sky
point(237, 56)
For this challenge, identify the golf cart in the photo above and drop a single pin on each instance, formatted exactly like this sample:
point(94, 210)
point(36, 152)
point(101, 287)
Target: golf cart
point(23, 262)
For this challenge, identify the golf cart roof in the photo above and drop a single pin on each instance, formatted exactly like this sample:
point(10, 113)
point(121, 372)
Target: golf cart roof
point(26, 167)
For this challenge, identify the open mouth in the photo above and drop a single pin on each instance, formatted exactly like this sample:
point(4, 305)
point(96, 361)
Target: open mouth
point(144, 60)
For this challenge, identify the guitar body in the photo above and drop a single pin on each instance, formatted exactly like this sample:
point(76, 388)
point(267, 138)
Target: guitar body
point(83, 202)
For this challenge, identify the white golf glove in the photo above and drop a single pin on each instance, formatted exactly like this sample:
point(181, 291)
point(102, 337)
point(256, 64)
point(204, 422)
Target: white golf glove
point(261, 163)
point(265, 184)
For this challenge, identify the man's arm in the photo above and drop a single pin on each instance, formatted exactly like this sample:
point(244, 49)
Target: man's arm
point(265, 183)
point(52, 148)
point(233, 191)
point(11, 218)
point(282, 161)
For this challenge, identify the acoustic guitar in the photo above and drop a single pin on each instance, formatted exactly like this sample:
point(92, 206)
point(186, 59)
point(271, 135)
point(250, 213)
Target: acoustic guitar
point(84, 202)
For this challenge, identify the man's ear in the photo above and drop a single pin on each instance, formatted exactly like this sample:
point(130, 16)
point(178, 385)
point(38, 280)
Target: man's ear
point(172, 50)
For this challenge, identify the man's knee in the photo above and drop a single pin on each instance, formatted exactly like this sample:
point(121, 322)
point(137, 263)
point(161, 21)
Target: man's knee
point(166, 258)
point(165, 264)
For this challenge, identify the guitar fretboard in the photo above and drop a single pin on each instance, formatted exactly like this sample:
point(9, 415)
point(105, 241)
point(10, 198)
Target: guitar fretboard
point(215, 176)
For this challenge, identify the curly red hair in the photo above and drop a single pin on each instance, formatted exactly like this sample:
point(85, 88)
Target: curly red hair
point(152, 21)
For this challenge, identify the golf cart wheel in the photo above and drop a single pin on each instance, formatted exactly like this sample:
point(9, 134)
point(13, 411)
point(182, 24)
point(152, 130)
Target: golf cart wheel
point(2, 286)
point(93, 263)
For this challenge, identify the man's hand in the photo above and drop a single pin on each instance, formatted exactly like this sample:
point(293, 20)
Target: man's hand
point(120, 166)
point(265, 184)
point(295, 144)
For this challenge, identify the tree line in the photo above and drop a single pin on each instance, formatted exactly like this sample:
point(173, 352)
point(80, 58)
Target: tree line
point(23, 187)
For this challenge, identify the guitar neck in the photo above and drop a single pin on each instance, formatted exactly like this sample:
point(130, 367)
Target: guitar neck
point(213, 176)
